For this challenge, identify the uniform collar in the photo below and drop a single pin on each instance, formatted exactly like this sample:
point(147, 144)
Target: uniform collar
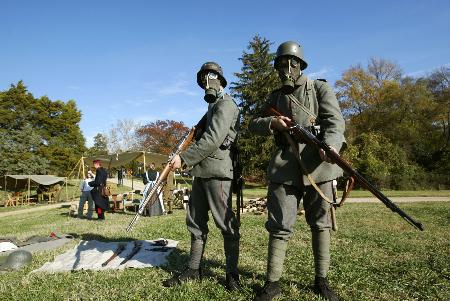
point(301, 80)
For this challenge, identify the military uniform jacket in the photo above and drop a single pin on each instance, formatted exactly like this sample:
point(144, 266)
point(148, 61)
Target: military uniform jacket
point(101, 175)
point(319, 98)
point(206, 156)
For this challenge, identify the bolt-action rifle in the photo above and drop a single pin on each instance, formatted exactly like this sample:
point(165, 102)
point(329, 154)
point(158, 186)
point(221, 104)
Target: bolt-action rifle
point(302, 134)
point(116, 253)
point(152, 196)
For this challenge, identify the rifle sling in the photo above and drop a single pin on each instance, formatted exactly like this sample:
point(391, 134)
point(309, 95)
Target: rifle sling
point(311, 180)
point(304, 108)
point(303, 168)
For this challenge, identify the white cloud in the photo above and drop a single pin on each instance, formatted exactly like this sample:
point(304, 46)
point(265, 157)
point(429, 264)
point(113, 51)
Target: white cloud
point(424, 72)
point(322, 73)
point(144, 119)
point(138, 102)
point(179, 86)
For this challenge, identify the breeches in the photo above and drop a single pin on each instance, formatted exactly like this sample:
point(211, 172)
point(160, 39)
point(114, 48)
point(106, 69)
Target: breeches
point(282, 205)
point(211, 194)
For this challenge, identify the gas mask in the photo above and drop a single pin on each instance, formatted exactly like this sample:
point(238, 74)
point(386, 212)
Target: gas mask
point(289, 71)
point(213, 88)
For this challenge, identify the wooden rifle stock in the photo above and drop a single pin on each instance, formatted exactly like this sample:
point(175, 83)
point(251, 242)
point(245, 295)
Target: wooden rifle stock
point(160, 182)
point(307, 137)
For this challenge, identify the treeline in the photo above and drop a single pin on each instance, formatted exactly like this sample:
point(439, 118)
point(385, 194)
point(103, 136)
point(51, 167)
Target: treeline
point(396, 125)
point(38, 135)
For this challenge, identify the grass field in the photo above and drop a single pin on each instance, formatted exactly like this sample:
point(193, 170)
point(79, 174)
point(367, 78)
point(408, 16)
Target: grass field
point(375, 256)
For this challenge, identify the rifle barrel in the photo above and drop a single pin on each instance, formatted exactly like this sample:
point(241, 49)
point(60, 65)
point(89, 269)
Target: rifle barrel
point(162, 178)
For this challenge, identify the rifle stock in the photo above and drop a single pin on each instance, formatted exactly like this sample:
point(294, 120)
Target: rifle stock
point(303, 134)
point(162, 177)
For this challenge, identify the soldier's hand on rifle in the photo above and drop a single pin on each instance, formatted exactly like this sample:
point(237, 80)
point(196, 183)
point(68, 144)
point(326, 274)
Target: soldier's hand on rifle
point(176, 162)
point(280, 123)
point(324, 157)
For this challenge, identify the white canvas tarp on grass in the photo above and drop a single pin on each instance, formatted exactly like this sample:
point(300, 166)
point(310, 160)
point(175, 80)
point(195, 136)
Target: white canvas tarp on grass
point(89, 255)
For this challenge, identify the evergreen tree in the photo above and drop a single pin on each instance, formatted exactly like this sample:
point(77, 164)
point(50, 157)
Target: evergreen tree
point(54, 124)
point(18, 152)
point(255, 82)
point(100, 147)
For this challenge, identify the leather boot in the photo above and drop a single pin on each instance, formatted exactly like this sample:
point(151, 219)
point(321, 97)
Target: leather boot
point(232, 282)
point(188, 274)
point(269, 291)
point(322, 288)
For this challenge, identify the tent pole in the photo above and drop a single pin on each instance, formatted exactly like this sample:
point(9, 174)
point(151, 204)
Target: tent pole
point(82, 164)
point(145, 165)
point(28, 196)
point(80, 168)
point(67, 194)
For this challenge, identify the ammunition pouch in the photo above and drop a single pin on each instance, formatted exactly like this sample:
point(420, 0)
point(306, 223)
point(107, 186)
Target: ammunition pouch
point(238, 181)
point(227, 142)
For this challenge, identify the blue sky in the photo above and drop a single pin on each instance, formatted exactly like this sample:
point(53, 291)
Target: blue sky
point(138, 59)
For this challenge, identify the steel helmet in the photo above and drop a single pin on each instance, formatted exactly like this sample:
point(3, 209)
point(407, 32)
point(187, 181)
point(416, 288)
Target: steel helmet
point(291, 48)
point(16, 260)
point(207, 67)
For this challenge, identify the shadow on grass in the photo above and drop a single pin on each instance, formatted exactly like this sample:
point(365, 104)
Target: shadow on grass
point(178, 260)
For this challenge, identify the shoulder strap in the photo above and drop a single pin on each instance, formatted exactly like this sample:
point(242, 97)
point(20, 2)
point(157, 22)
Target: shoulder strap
point(304, 108)
point(310, 86)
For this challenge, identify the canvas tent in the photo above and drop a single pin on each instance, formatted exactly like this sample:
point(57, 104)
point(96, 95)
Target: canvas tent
point(22, 182)
point(118, 160)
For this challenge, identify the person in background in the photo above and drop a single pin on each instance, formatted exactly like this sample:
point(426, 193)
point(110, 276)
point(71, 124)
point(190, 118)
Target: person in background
point(151, 175)
point(86, 196)
point(101, 202)
point(168, 190)
point(120, 176)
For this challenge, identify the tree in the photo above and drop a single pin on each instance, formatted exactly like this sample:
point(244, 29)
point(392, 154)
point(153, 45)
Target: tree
point(55, 123)
point(384, 70)
point(161, 136)
point(384, 163)
point(16, 108)
point(18, 150)
point(406, 111)
point(62, 141)
point(123, 136)
point(255, 82)
point(100, 147)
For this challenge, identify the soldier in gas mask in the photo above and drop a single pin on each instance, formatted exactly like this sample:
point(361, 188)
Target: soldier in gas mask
point(210, 159)
point(298, 171)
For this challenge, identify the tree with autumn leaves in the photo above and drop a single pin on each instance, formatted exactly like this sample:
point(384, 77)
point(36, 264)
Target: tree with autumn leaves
point(397, 126)
point(161, 136)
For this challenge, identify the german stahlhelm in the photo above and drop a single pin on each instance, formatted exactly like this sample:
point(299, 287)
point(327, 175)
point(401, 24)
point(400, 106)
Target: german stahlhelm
point(16, 260)
point(210, 67)
point(291, 48)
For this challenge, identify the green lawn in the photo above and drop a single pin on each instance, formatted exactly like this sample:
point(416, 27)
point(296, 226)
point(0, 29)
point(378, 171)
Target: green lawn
point(261, 191)
point(375, 256)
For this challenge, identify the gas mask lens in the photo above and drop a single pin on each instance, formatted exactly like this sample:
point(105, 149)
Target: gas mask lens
point(212, 86)
point(210, 76)
point(288, 70)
